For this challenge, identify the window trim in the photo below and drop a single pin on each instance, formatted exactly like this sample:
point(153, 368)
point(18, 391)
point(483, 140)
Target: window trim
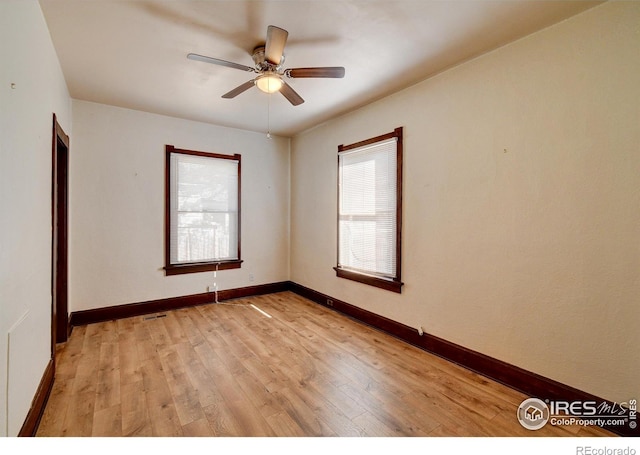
point(194, 267)
point(390, 284)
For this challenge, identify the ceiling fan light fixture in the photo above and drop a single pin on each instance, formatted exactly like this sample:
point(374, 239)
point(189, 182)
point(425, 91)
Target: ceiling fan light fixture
point(269, 83)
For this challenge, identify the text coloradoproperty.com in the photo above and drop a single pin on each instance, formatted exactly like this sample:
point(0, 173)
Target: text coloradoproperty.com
point(587, 422)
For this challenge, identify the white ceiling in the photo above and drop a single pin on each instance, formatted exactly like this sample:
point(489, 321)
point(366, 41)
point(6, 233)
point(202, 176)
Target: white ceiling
point(132, 53)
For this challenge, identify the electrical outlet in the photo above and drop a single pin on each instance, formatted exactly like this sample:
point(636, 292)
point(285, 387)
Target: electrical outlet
point(251, 277)
point(211, 288)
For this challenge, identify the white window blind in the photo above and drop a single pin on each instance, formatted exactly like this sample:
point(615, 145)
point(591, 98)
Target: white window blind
point(367, 200)
point(203, 209)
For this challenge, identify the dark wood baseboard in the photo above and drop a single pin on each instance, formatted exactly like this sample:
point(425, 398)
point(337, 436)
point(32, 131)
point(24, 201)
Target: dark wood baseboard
point(171, 303)
point(527, 382)
point(31, 422)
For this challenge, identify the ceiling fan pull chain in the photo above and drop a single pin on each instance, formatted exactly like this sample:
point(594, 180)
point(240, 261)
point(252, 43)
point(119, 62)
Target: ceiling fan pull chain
point(268, 115)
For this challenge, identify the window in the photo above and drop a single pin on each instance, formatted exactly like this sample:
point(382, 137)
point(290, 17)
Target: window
point(202, 211)
point(370, 211)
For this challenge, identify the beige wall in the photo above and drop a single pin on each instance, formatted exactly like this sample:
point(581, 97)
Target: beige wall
point(117, 206)
point(28, 60)
point(522, 203)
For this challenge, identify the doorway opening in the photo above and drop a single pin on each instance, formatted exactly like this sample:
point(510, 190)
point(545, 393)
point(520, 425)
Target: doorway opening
point(60, 239)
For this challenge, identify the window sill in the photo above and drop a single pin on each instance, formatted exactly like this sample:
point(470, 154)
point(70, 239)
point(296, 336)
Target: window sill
point(378, 282)
point(180, 269)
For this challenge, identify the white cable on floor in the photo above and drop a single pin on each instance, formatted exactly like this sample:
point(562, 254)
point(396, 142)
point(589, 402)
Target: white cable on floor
point(246, 305)
point(215, 283)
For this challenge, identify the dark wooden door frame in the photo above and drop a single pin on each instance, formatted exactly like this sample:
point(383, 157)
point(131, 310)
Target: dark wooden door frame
point(59, 236)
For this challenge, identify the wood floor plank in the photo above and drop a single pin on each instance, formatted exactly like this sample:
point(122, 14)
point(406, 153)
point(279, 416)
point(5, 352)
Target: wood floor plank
point(67, 356)
point(268, 371)
point(185, 396)
point(394, 414)
point(183, 317)
point(222, 421)
point(128, 359)
point(107, 422)
point(446, 413)
point(160, 405)
point(330, 414)
point(227, 370)
point(249, 420)
point(153, 375)
point(198, 375)
point(108, 380)
point(305, 418)
point(53, 417)
point(135, 412)
point(157, 330)
point(375, 428)
point(346, 404)
point(284, 426)
point(174, 328)
point(144, 347)
point(257, 394)
point(163, 415)
point(78, 420)
point(222, 377)
point(198, 428)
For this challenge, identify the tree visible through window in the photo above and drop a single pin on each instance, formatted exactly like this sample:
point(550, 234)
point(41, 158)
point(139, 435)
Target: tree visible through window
point(202, 211)
point(370, 211)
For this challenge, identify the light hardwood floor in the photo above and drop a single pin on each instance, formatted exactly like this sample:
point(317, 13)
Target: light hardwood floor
point(229, 370)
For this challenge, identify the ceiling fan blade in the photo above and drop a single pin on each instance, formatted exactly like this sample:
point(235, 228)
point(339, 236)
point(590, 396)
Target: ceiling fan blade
point(329, 71)
point(217, 61)
point(291, 94)
point(274, 47)
point(238, 90)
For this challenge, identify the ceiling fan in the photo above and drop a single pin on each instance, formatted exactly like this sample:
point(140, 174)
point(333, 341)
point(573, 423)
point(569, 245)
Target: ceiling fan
point(268, 60)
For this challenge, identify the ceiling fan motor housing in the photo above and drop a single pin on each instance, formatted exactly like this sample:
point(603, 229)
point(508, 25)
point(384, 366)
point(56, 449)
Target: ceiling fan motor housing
point(261, 62)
